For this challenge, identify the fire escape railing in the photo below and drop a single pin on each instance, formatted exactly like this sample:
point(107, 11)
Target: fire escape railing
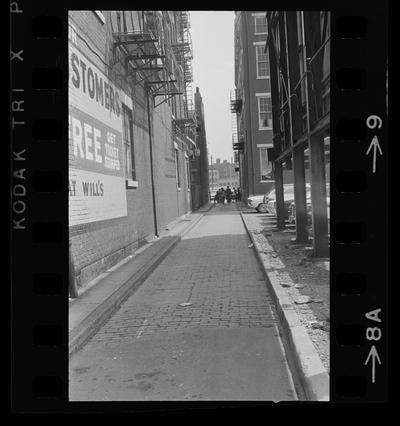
point(236, 107)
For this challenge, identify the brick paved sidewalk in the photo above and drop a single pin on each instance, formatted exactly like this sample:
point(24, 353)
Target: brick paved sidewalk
point(214, 273)
point(313, 281)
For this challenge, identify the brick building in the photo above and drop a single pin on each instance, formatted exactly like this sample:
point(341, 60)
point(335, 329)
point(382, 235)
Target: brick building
point(199, 161)
point(132, 128)
point(251, 104)
point(222, 174)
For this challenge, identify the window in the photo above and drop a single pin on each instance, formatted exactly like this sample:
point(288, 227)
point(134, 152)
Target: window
point(178, 176)
point(262, 62)
point(265, 165)
point(264, 112)
point(127, 124)
point(260, 24)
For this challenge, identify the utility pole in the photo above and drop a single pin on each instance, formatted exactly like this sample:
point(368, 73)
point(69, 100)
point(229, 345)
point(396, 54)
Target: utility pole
point(148, 95)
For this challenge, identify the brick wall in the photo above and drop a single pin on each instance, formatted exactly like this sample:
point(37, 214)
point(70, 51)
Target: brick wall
point(98, 245)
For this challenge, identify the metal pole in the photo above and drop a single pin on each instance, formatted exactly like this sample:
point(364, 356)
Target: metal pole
point(279, 196)
point(318, 189)
point(151, 161)
point(306, 77)
point(300, 195)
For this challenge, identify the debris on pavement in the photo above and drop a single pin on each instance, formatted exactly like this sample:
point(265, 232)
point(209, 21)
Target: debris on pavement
point(306, 299)
point(308, 277)
point(185, 304)
point(303, 299)
point(317, 324)
point(250, 245)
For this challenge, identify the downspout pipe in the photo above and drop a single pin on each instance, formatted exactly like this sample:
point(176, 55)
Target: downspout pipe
point(148, 94)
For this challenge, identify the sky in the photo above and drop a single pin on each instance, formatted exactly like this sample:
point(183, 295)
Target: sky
point(213, 73)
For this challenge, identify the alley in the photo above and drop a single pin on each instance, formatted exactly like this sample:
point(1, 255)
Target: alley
point(201, 327)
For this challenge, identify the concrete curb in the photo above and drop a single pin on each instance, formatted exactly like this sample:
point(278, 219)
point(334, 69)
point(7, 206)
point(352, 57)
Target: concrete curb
point(312, 374)
point(86, 329)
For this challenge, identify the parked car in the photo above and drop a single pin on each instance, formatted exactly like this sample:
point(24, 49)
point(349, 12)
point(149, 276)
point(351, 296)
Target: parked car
point(288, 190)
point(266, 197)
point(256, 202)
point(288, 199)
point(292, 208)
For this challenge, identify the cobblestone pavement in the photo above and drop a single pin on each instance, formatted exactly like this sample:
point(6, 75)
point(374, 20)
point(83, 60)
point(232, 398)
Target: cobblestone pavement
point(200, 327)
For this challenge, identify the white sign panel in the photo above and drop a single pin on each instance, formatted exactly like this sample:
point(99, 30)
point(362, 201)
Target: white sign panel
point(96, 160)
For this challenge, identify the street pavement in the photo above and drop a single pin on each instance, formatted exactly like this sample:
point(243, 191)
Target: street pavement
point(221, 344)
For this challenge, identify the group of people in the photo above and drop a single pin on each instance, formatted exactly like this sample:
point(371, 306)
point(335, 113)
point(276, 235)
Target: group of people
point(227, 194)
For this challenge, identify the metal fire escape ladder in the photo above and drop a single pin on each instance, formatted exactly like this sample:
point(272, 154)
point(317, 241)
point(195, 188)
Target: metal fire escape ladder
point(236, 107)
point(183, 53)
point(144, 55)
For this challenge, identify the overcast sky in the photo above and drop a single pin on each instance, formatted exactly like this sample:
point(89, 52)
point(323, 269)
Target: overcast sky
point(213, 73)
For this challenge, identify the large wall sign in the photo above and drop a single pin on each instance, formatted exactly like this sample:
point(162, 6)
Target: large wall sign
point(96, 161)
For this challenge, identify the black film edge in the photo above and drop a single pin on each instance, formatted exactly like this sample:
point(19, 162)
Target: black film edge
point(39, 204)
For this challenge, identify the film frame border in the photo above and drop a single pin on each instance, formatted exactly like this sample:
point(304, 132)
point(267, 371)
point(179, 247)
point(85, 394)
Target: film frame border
point(39, 219)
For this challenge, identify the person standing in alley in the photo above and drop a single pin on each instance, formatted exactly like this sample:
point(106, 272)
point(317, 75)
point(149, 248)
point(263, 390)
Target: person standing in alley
point(239, 195)
point(228, 194)
point(223, 195)
point(218, 196)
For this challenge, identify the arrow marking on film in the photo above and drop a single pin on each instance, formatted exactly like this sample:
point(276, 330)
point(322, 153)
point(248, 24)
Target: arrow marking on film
point(374, 144)
point(375, 357)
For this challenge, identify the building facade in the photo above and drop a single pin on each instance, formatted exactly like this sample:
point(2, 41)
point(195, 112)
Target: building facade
point(223, 174)
point(132, 128)
point(251, 104)
point(199, 160)
point(298, 47)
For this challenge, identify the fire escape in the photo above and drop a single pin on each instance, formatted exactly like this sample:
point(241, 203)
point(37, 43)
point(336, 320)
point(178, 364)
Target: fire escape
point(144, 57)
point(186, 123)
point(236, 107)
